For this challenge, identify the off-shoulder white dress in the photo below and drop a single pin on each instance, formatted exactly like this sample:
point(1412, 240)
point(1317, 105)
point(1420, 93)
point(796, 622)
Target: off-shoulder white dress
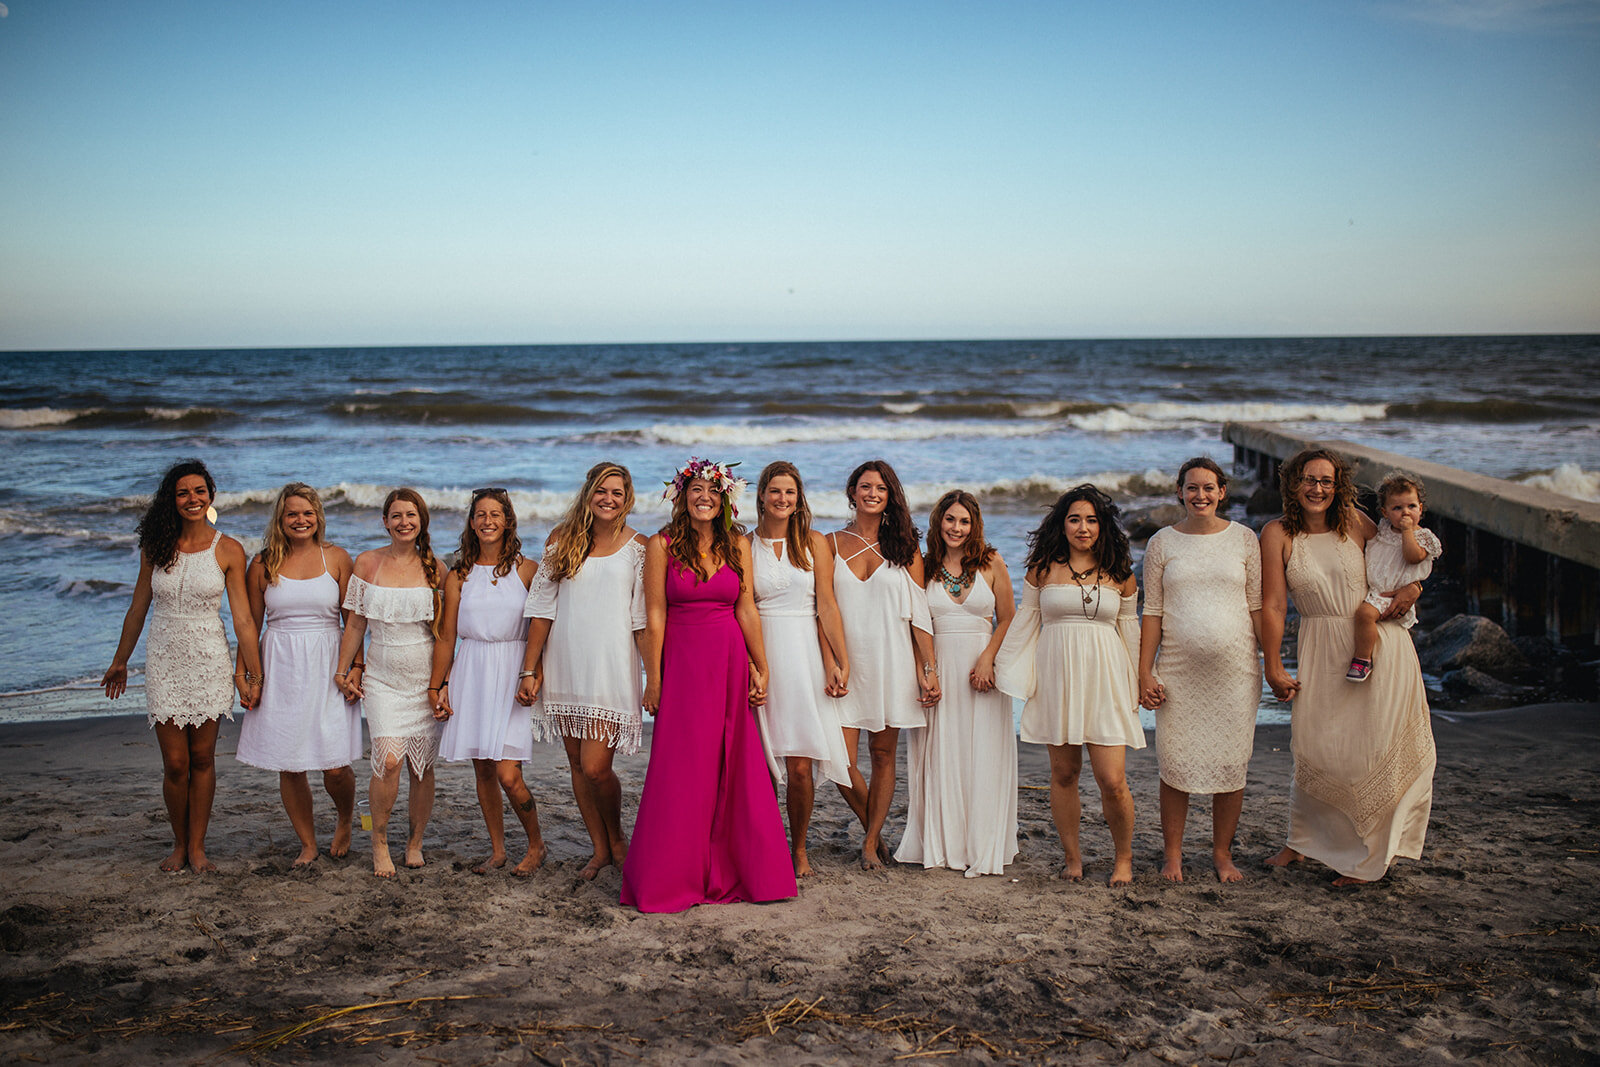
point(399, 660)
point(1072, 655)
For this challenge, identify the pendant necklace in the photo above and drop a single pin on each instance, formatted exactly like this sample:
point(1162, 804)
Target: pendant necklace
point(1077, 579)
point(951, 583)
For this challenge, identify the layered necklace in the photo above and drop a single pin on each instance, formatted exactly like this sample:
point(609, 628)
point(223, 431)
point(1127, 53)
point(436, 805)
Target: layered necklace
point(951, 583)
point(1077, 580)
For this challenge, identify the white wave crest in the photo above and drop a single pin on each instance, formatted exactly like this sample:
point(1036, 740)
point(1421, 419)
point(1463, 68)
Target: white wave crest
point(903, 408)
point(734, 435)
point(1257, 412)
point(1569, 479)
point(28, 418)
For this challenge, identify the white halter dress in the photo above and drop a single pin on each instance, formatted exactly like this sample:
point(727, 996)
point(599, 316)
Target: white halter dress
point(878, 614)
point(488, 722)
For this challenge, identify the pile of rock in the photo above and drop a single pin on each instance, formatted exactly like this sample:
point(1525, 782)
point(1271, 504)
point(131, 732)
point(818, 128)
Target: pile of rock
point(1479, 665)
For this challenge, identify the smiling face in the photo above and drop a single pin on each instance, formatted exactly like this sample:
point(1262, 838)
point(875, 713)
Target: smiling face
point(955, 527)
point(1082, 526)
point(780, 497)
point(1316, 488)
point(299, 519)
point(488, 521)
point(702, 501)
point(1201, 495)
point(403, 522)
point(609, 501)
point(192, 498)
point(871, 495)
point(1403, 510)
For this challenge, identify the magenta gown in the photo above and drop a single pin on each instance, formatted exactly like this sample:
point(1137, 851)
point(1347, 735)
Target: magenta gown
point(708, 830)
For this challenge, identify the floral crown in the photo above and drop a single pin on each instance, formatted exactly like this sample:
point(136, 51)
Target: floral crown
point(720, 475)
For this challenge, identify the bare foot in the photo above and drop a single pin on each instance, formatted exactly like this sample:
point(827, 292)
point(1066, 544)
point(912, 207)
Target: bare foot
point(341, 841)
point(1072, 872)
point(802, 864)
point(871, 858)
point(382, 865)
point(414, 856)
point(1284, 858)
point(308, 856)
point(1226, 871)
point(176, 862)
point(596, 864)
point(1122, 872)
point(1172, 870)
point(531, 861)
point(199, 864)
point(619, 851)
point(1346, 882)
point(493, 863)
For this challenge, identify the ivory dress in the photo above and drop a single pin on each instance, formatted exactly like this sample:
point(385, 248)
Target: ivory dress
point(878, 614)
point(188, 673)
point(492, 634)
point(1363, 754)
point(592, 674)
point(1075, 664)
point(303, 722)
point(399, 661)
point(799, 717)
point(1203, 587)
point(961, 772)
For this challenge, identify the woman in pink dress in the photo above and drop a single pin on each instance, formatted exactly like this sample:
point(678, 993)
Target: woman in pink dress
point(708, 830)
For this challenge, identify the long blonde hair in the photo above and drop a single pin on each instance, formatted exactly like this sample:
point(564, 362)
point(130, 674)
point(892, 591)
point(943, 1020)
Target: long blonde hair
point(275, 545)
point(798, 533)
point(573, 538)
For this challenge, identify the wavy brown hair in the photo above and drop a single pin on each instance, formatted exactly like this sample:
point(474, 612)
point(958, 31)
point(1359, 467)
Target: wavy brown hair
point(1341, 513)
point(1048, 544)
point(683, 543)
point(160, 525)
point(1399, 482)
point(1203, 463)
point(975, 553)
point(573, 537)
point(470, 551)
point(430, 562)
point(275, 544)
point(897, 534)
point(798, 534)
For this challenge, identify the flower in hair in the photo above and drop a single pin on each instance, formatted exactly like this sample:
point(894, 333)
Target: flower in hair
point(720, 475)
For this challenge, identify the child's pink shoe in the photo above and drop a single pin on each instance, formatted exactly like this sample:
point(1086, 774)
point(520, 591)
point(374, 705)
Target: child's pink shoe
point(1360, 670)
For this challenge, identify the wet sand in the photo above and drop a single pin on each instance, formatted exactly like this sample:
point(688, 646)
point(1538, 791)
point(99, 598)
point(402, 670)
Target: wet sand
point(1485, 949)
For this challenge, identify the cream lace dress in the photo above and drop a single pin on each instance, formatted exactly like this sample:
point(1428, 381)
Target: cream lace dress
point(399, 660)
point(1203, 587)
point(188, 673)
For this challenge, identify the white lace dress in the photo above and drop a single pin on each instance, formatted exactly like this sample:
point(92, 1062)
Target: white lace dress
point(188, 672)
point(593, 684)
point(1075, 664)
point(799, 717)
point(961, 772)
point(303, 722)
point(1387, 567)
point(1203, 587)
point(488, 722)
point(878, 614)
point(399, 660)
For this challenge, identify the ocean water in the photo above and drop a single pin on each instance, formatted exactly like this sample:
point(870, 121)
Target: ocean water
point(87, 435)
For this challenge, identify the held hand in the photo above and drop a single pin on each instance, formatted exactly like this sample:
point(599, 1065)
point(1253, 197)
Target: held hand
point(929, 683)
point(1283, 686)
point(350, 686)
point(838, 682)
point(1401, 601)
point(528, 690)
point(1152, 694)
point(115, 681)
point(982, 675)
point(758, 687)
point(652, 697)
point(441, 706)
point(249, 694)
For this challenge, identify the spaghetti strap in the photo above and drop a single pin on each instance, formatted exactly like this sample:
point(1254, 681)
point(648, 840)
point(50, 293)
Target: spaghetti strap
point(324, 550)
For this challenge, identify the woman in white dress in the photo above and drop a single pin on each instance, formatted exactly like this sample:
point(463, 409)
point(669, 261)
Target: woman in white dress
point(1072, 655)
point(961, 772)
point(303, 722)
point(587, 621)
point(810, 666)
point(1363, 754)
point(1202, 612)
point(483, 598)
point(877, 581)
point(394, 593)
point(185, 565)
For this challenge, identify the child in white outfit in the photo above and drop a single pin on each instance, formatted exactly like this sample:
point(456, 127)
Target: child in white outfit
point(1400, 553)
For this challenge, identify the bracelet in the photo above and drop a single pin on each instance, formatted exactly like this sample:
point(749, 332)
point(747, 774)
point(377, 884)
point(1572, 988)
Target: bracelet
point(357, 667)
point(249, 679)
point(526, 674)
point(431, 689)
point(928, 668)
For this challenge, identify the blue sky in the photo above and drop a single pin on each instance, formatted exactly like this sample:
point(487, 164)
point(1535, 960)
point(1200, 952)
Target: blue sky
point(205, 174)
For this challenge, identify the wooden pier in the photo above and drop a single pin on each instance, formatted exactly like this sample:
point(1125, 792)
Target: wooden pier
point(1529, 558)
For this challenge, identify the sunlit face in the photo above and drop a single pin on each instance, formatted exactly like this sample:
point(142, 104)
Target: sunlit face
point(780, 497)
point(703, 500)
point(1082, 526)
point(403, 522)
point(1316, 488)
point(192, 497)
point(488, 520)
point(1403, 509)
point(955, 527)
point(609, 501)
point(299, 519)
point(1201, 493)
point(871, 496)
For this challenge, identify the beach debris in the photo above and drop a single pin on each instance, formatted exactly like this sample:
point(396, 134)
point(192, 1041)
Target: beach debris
point(278, 1038)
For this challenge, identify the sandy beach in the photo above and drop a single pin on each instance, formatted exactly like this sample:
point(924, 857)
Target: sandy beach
point(1485, 949)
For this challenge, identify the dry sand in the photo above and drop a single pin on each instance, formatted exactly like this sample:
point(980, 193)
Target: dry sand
point(1484, 950)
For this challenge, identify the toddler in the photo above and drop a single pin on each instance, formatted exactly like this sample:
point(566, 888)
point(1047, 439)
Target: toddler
point(1400, 553)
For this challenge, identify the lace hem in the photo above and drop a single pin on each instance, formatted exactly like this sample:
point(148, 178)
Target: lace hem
point(420, 752)
point(187, 717)
point(1367, 802)
point(388, 603)
point(618, 729)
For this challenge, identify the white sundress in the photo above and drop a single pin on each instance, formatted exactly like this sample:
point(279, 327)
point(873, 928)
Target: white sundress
point(878, 614)
point(492, 634)
point(188, 672)
point(399, 661)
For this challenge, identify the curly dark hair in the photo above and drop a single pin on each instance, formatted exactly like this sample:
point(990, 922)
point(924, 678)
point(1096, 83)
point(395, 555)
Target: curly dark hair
point(1341, 513)
point(159, 528)
point(975, 553)
point(1048, 544)
point(683, 544)
point(469, 552)
point(897, 534)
